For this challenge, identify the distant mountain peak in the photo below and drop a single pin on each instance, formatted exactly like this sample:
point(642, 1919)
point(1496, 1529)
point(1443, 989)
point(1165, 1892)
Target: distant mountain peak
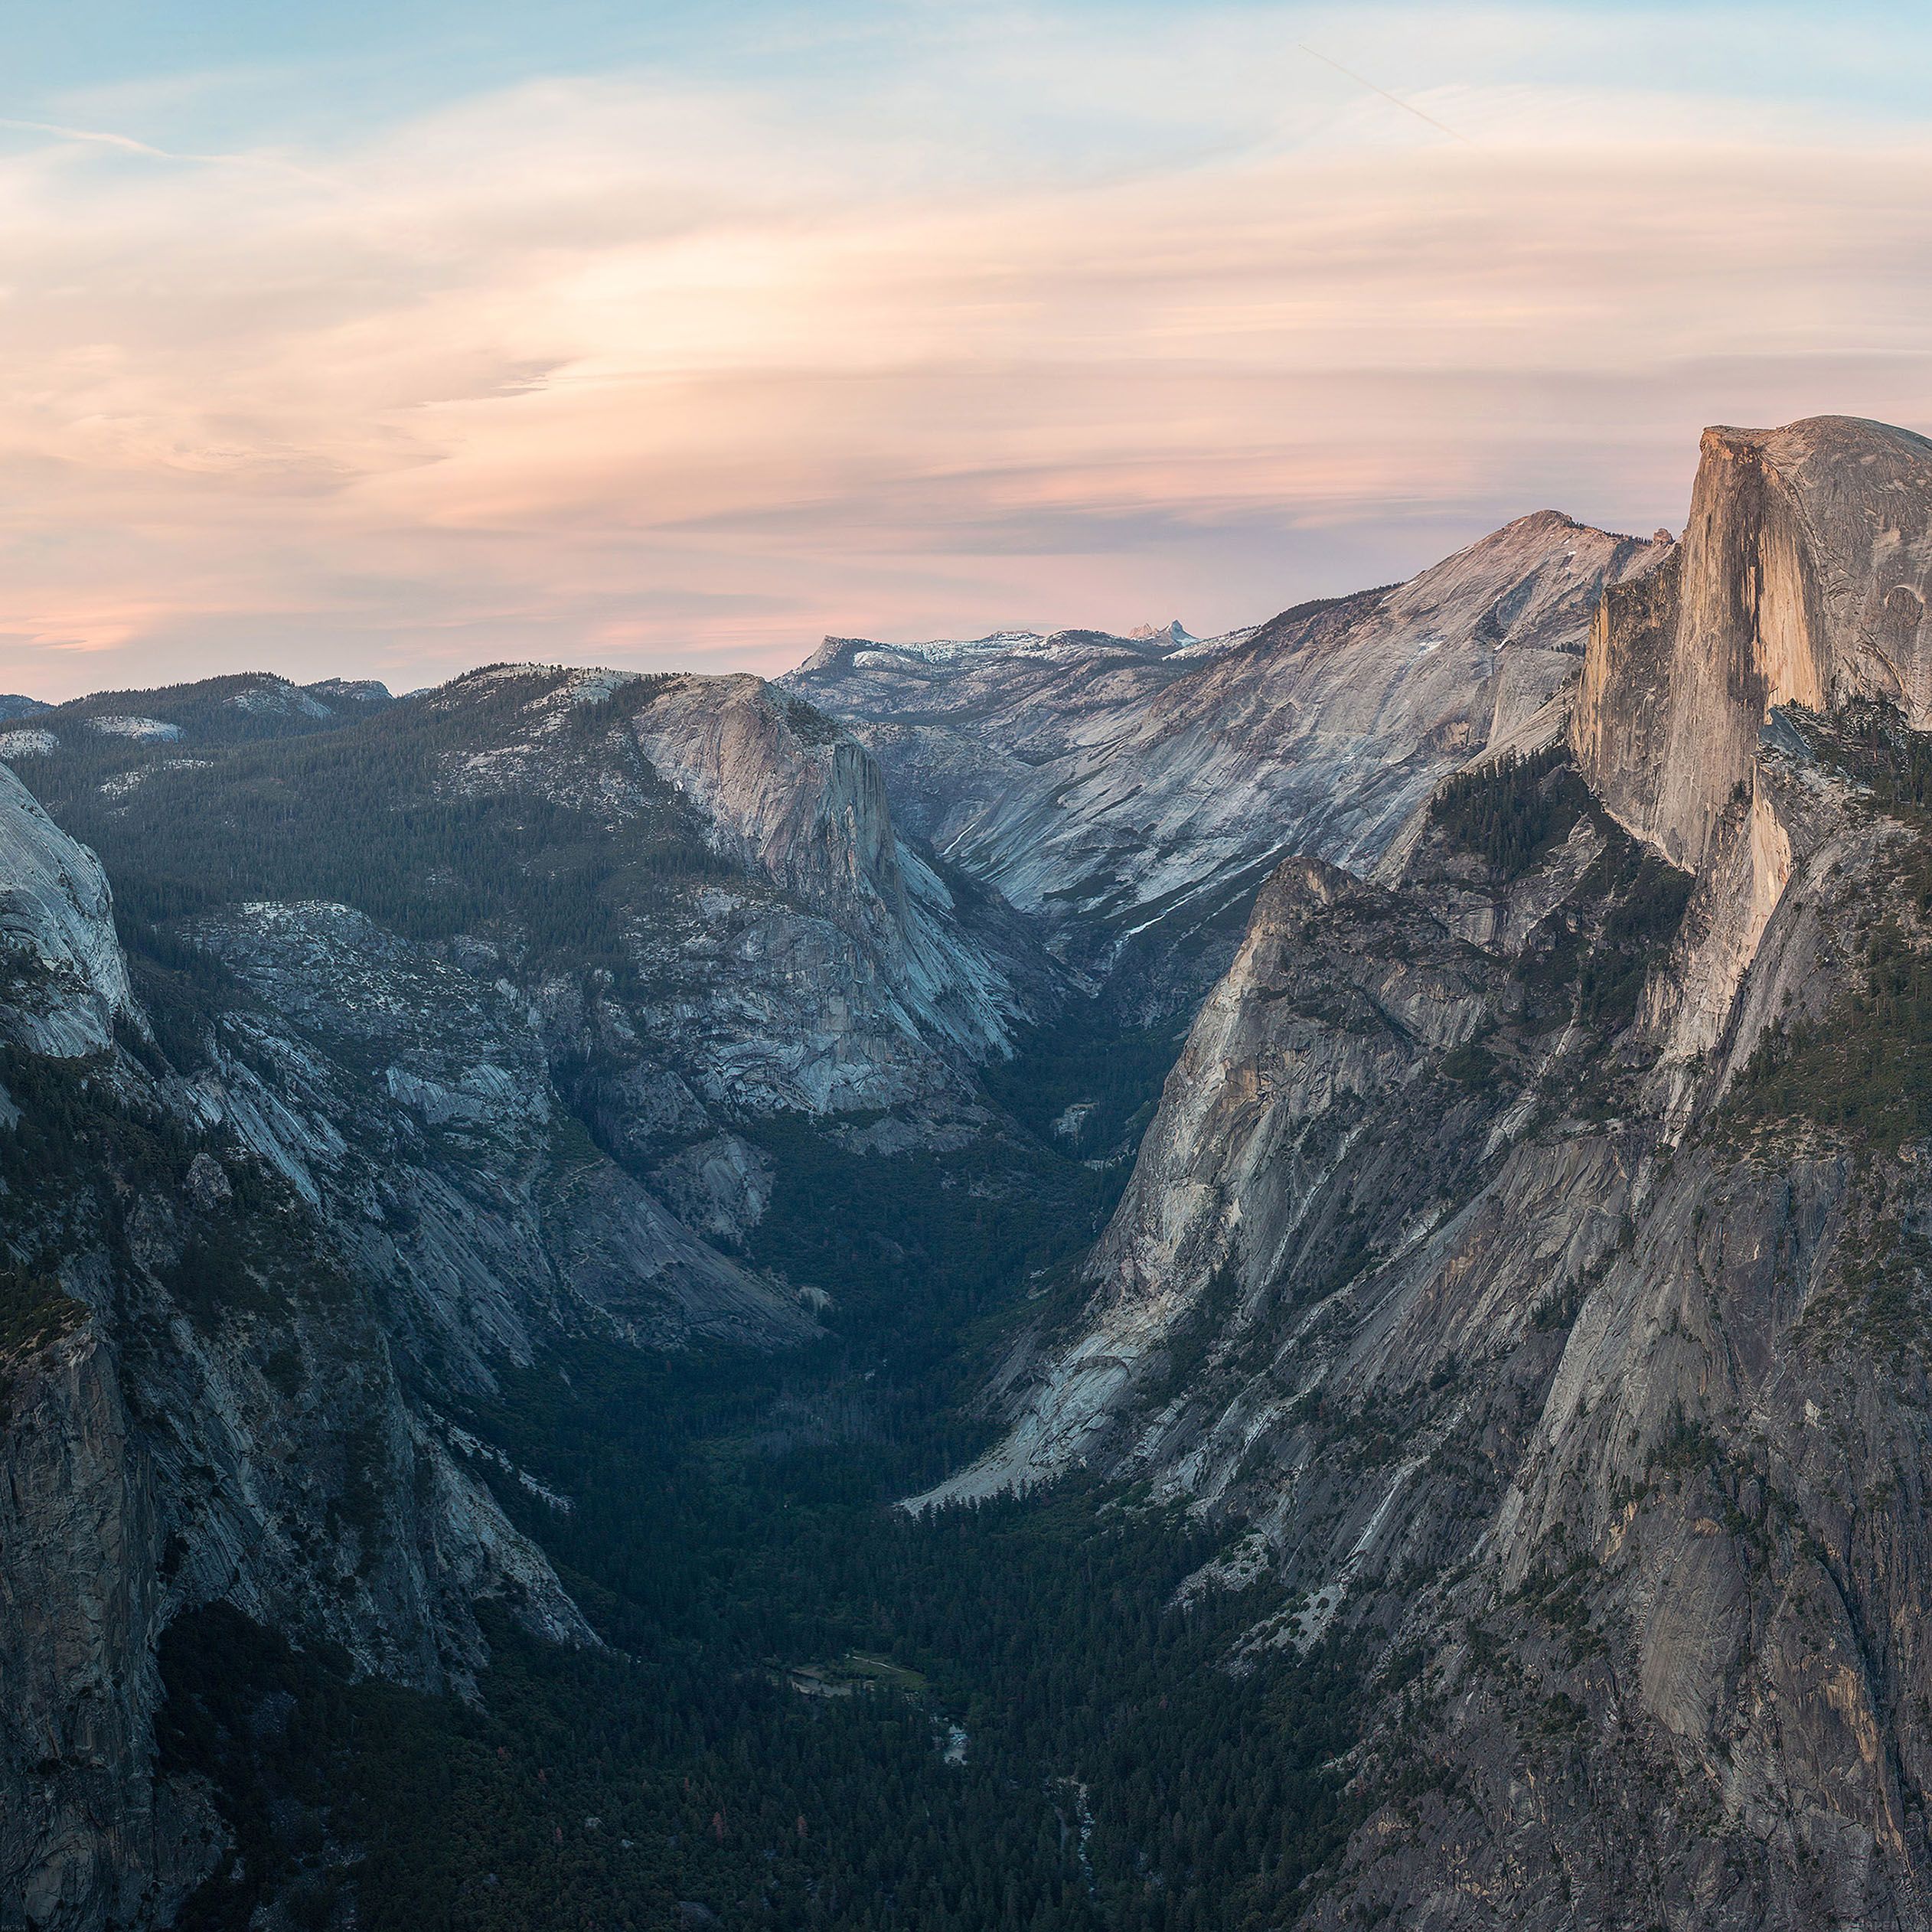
point(1115, 780)
point(351, 690)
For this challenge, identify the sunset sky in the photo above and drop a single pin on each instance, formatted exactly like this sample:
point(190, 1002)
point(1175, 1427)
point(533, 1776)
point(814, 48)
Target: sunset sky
point(385, 340)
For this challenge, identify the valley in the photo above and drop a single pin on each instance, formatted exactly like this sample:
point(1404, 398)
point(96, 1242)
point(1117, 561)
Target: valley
point(1297, 1263)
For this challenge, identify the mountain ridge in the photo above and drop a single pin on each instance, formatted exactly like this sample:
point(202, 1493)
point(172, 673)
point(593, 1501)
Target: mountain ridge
point(1520, 1303)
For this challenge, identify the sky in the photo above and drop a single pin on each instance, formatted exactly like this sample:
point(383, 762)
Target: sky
point(387, 340)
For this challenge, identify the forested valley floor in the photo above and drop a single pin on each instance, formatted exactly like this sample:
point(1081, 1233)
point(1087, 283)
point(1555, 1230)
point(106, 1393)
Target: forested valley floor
point(811, 1710)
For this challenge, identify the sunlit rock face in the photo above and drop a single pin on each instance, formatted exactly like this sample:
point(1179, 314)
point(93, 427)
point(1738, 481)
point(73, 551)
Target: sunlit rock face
point(1802, 579)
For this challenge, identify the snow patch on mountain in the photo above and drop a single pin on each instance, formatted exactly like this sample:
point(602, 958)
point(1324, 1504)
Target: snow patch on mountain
point(147, 729)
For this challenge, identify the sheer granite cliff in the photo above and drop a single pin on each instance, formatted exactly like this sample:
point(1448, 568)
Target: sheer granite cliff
point(1530, 1264)
point(1802, 579)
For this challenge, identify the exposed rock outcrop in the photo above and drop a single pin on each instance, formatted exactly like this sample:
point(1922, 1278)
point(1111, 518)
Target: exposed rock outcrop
point(789, 795)
point(67, 982)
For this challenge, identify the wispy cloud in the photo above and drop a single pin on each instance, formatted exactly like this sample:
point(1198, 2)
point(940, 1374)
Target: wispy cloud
point(126, 144)
point(637, 367)
point(1407, 107)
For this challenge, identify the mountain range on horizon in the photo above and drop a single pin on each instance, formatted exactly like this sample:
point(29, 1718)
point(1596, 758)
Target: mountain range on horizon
point(1073, 1280)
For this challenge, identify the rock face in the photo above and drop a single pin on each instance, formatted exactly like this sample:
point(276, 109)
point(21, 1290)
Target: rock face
point(220, 1279)
point(788, 796)
point(1802, 579)
point(67, 980)
point(797, 957)
point(1108, 785)
point(1530, 1264)
point(413, 1105)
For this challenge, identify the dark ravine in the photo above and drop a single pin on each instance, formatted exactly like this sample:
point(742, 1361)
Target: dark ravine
point(1508, 1351)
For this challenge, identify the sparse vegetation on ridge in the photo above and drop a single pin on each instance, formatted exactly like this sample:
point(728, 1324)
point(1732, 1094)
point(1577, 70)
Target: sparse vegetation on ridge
point(1510, 812)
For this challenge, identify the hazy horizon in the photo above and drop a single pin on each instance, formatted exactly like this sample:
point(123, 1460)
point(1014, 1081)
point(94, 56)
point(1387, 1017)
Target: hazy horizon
point(805, 650)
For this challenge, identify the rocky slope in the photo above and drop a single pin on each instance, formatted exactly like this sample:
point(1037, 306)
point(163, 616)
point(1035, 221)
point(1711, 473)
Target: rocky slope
point(1529, 1265)
point(694, 884)
point(66, 981)
point(204, 1393)
point(1113, 785)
